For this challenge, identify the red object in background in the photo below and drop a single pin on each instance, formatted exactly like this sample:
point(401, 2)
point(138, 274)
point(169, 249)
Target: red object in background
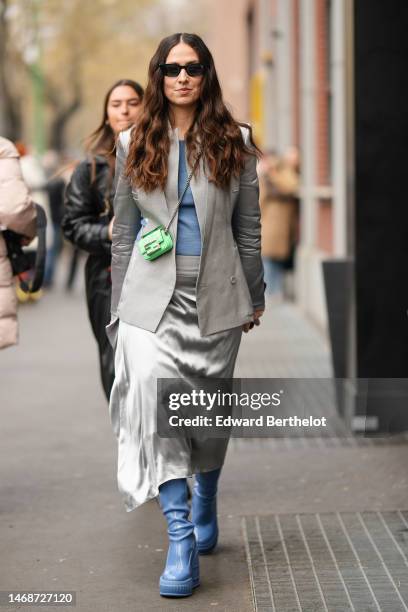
point(21, 148)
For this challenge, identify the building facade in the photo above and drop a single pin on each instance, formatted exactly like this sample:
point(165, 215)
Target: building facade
point(284, 66)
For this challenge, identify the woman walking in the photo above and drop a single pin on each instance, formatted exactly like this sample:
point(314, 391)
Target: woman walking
point(87, 221)
point(179, 313)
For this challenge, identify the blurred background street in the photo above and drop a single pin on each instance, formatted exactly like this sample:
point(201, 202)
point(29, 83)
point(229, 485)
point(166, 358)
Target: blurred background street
point(308, 523)
point(63, 526)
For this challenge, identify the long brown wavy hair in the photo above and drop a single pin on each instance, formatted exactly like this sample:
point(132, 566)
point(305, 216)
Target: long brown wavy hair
point(214, 132)
point(103, 141)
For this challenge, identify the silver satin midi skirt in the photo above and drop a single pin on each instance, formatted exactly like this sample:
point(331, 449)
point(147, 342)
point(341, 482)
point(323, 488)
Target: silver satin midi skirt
point(175, 350)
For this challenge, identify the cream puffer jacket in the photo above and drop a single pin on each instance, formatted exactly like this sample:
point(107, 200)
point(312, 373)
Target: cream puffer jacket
point(17, 213)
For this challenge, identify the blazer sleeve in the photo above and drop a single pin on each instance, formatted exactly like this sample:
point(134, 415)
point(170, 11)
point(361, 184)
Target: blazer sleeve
point(246, 223)
point(81, 224)
point(126, 226)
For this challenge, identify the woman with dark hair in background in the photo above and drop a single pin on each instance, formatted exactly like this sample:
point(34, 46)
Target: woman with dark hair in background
point(87, 221)
point(180, 315)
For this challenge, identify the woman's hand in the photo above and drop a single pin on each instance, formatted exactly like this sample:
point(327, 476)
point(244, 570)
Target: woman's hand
point(110, 228)
point(256, 316)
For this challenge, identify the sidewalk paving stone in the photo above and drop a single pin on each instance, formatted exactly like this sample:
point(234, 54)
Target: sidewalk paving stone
point(63, 524)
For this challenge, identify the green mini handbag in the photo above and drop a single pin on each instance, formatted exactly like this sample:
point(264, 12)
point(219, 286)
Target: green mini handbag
point(155, 243)
point(159, 240)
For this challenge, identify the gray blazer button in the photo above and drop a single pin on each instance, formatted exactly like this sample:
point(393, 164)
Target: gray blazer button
point(233, 280)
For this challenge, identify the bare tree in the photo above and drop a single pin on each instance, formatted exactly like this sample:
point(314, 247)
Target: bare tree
point(59, 57)
point(10, 105)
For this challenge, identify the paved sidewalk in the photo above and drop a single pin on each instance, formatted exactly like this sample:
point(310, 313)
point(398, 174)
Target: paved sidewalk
point(285, 345)
point(63, 525)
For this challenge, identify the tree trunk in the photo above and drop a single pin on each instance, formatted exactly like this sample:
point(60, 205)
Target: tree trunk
point(59, 124)
point(10, 107)
point(63, 111)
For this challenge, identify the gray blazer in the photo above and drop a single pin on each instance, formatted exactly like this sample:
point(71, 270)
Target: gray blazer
point(230, 281)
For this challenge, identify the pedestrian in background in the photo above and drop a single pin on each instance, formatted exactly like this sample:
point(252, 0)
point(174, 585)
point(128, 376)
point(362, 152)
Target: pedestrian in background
point(291, 161)
point(17, 213)
point(181, 315)
point(34, 177)
point(279, 185)
point(55, 188)
point(87, 221)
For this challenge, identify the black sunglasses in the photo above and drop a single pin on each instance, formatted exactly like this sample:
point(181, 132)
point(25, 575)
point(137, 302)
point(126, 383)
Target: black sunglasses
point(173, 70)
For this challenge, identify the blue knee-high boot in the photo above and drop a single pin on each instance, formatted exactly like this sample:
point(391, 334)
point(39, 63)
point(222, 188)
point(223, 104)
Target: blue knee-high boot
point(181, 573)
point(204, 510)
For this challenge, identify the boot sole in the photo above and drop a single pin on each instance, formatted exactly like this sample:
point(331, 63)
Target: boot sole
point(206, 551)
point(207, 548)
point(181, 589)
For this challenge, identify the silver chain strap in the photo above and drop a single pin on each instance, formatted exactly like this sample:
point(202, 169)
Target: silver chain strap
point(190, 176)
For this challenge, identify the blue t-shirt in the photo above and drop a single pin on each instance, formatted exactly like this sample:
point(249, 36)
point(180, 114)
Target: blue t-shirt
point(188, 229)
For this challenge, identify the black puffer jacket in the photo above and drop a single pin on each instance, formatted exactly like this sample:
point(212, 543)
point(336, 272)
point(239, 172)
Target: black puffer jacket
point(88, 211)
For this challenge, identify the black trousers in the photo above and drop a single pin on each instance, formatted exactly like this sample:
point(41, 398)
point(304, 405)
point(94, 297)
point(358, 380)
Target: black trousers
point(98, 295)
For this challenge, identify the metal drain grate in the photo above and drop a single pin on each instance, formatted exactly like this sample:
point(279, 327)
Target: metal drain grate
point(328, 562)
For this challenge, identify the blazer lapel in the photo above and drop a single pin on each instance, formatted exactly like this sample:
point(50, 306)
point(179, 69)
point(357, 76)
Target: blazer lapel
point(199, 188)
point(171, 189)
